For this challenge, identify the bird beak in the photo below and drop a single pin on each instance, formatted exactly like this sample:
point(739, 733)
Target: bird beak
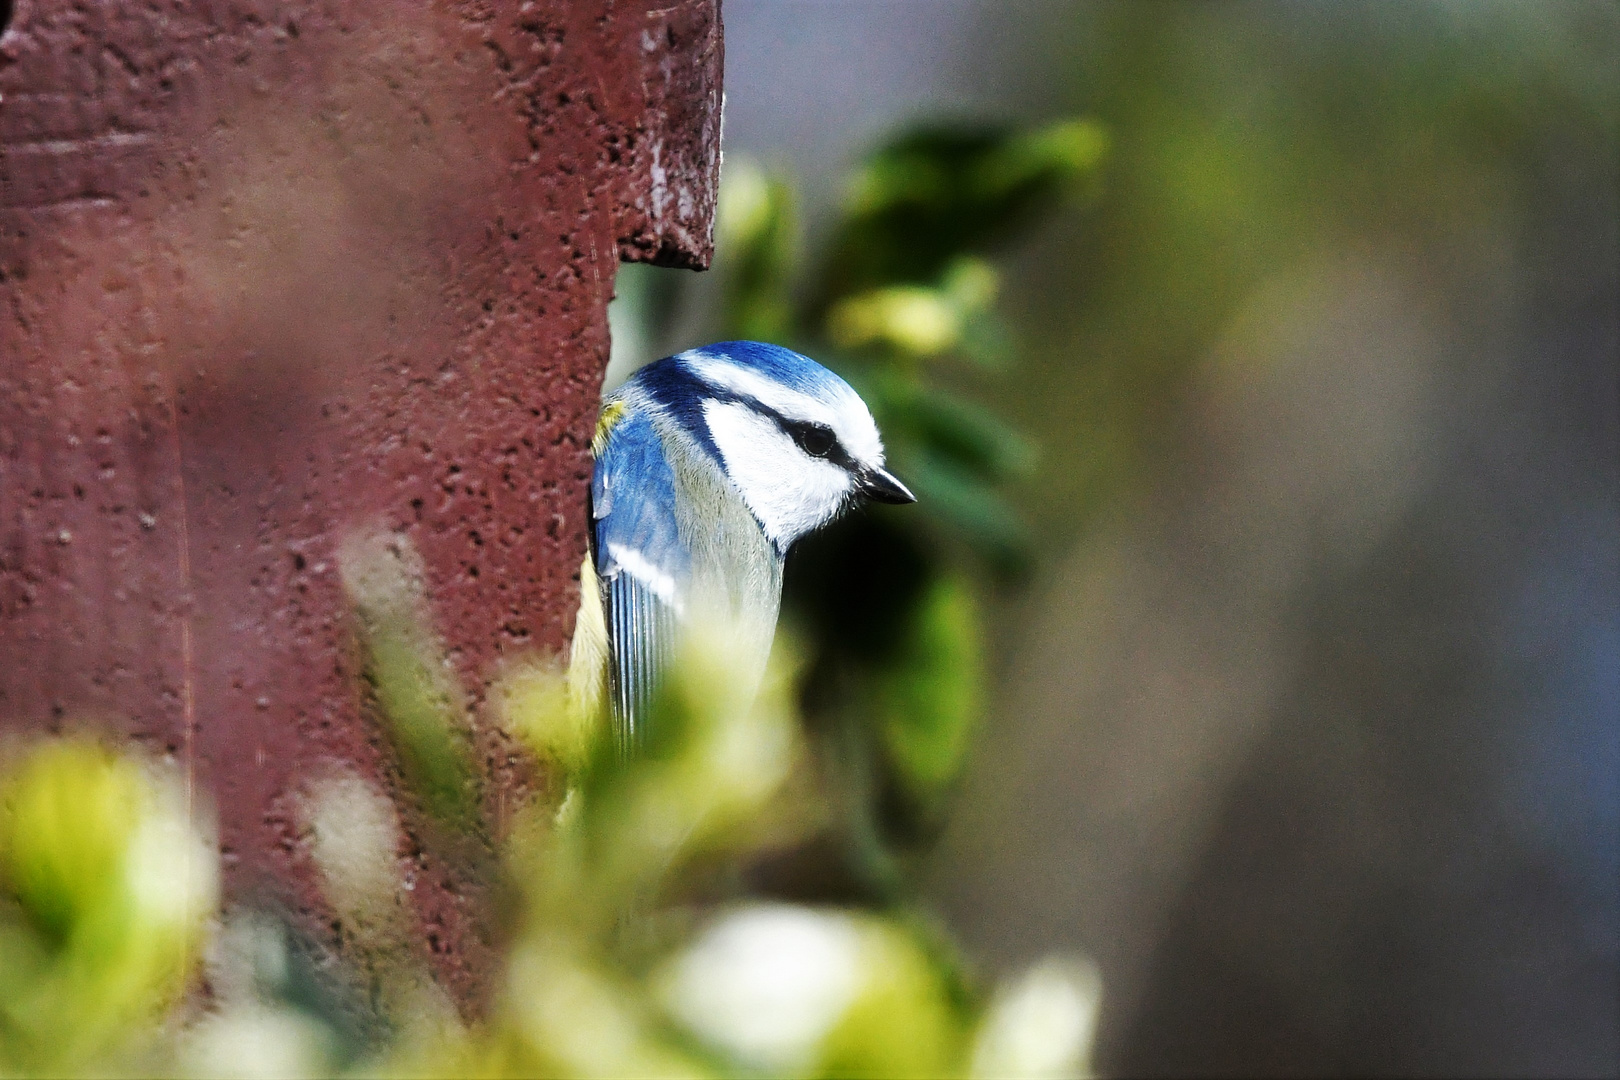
point(881, 485)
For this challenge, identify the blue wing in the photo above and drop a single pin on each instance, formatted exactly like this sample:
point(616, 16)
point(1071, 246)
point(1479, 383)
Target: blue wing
point(641, 561)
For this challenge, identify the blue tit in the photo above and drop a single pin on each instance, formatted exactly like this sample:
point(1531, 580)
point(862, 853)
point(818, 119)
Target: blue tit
point(709, 465)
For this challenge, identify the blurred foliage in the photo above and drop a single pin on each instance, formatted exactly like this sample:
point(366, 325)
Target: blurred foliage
point(900, 297)
point(413, 690)
point(1254, 143)
point(926, 199)
point(927, 700)
point(104, 890)
point(627, 952)
point(431, 749)
point(657, 919)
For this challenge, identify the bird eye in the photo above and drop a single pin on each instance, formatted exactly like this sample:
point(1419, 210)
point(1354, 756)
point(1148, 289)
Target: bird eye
point(817, 440)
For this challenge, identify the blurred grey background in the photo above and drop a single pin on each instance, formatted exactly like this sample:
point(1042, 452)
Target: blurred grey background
point(1308, 727)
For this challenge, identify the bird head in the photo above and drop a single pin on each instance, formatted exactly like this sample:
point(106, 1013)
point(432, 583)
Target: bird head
point(796, 441)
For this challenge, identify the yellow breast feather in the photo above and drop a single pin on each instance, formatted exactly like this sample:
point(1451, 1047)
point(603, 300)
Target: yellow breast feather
point(612, 413)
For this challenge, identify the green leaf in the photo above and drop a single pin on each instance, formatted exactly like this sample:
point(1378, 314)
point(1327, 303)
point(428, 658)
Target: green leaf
point(105, 886)
point(930, 699)
point(423, 706)
point(66, 819)
point(424, 721)
point(911, 318)
point(937, 193)
point(917, 320)
point(1028, 162)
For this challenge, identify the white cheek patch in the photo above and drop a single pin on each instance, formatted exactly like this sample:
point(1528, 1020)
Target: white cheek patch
point(789, 491)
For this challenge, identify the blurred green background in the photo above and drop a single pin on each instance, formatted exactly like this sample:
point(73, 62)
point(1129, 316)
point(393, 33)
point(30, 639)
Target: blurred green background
point(1250, 663)
point(1299, 584)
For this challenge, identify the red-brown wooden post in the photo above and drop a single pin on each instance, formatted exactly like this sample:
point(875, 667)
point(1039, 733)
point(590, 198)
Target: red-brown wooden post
point(275, 270)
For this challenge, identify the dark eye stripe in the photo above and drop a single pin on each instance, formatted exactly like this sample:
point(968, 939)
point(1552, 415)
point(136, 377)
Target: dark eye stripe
point(817, 440)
